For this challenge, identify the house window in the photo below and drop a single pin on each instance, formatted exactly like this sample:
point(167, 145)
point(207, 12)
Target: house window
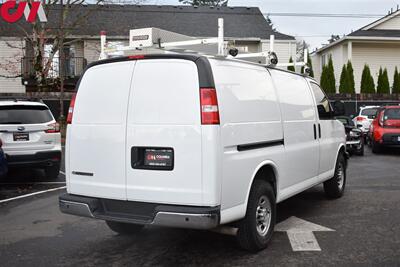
point(323, 60)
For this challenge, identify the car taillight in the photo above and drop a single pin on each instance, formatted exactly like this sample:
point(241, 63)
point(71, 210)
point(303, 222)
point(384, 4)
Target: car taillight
point(54, 128)
point(360, 118)
point(71, 109)
point(209, 106)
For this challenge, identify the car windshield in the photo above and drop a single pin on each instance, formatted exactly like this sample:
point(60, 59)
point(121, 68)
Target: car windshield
point(24, 114)
point(392, 114)
point(369, 112)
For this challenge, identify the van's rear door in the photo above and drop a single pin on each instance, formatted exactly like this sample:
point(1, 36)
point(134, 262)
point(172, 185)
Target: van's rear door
point(96, 139)
point(164, 133)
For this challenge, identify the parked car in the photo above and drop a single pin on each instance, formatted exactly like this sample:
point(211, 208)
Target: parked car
point(364, 119)
point(31, 137)
point(196, 142)
point(385, 129)
point(354, 136)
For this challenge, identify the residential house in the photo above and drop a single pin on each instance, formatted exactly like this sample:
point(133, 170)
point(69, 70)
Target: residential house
point(246, 26)
point(377, 44)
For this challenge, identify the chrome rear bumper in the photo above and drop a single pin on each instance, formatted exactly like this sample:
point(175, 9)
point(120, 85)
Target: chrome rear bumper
point(146, 213)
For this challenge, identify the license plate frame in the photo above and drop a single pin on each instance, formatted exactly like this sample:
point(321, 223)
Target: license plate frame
point(153, 158)
point(21, 137)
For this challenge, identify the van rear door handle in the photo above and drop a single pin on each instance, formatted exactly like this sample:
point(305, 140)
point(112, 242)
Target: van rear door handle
point(315, 132)
point(319, 130)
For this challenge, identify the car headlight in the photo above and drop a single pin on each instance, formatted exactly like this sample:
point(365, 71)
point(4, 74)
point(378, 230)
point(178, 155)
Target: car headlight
point(354, 134)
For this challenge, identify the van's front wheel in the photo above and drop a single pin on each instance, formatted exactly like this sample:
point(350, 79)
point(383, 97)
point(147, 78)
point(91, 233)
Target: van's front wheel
point(256, 229)
point(124, 228)
point(334, 188)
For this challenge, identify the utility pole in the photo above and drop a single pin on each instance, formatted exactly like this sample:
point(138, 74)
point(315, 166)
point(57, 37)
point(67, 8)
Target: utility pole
point(61, 61)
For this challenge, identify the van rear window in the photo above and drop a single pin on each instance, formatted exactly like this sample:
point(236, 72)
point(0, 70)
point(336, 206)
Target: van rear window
point(23, 114)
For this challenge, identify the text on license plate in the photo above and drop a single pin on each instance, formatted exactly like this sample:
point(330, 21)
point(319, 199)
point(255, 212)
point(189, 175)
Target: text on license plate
point(20, 137)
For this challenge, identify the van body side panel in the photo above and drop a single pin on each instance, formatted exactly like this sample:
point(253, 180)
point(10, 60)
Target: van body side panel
point(299, 122)
point(164, 112)
point(250, 116)
point(96, 138)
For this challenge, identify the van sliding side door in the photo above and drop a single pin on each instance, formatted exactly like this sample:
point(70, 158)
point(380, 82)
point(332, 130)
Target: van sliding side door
point(326, 134)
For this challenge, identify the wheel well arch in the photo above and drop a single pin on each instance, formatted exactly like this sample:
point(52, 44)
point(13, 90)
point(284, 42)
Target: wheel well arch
point(268, 172)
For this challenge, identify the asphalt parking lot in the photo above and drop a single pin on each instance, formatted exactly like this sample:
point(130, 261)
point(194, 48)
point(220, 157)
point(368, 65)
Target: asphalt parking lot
point(365, 228)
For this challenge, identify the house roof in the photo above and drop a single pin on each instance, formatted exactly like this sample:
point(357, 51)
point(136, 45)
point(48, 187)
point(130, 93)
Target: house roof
point(368, 33)
point(117, 20)
point(376, 33)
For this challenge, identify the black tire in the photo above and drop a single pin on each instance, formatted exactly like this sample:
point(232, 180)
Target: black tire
point(376, 148)
point(334, 188)
point(52, 172)
point(360, 151)
point(249, 236)
point(124, 228)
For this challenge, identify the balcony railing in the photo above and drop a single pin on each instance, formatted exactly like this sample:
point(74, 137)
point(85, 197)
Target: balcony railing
point(73, 69)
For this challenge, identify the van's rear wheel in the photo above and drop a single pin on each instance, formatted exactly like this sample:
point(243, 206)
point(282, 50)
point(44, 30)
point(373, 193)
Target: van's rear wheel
point(256, 229)
point(124, 228)
point(334, 188)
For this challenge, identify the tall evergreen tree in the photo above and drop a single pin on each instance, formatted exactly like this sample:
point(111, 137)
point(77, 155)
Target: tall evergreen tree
point(331, 81)
point(385, 82)
point(379, 84)
point(367, 82)
point(291, 68)
point(205, 2)
point(344, 81)
point(350, 78)
point(310, 65)
point(396, 82)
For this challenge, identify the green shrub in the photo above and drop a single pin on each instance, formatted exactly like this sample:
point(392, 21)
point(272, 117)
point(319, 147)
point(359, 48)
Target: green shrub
point(344, 81)
point(291, 68)
point(367, 82)
point(350, 78)
point(396, 82)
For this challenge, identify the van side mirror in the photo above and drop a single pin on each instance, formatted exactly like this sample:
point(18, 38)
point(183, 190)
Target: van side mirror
point(339, 108)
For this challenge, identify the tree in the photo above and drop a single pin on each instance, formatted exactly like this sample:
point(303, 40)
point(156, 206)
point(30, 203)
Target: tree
point(385, 82)
point(270, 23)
point(68, 15)
point(396, 82)
point(367, 82)
point(324, 77)
point(344, 81)
point(328, 82)
point(205, 2)
point(350, 78)
point(291, 68)
point(379, 84)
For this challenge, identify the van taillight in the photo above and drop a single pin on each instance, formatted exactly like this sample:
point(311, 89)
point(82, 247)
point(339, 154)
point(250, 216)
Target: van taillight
point(54, 128)
point(71, 109)
point(209, 106)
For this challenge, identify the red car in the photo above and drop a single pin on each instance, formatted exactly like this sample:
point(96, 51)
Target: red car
point(385, 128)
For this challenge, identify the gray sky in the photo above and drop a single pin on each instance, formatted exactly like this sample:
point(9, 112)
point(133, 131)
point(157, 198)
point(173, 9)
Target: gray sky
point(314, 30)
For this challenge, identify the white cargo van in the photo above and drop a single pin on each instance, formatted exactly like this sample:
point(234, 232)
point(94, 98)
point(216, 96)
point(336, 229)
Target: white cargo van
point(197, 142)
